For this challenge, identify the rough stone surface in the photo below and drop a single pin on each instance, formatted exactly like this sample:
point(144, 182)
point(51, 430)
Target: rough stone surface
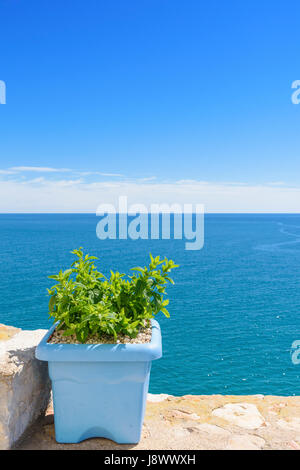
point(24, 383)
point(155, 398)
point(245, 443)
point(190, 423)
point(7, 332)
point(245, 415)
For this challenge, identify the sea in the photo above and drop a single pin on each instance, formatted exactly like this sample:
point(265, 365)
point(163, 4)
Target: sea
point(235, 305)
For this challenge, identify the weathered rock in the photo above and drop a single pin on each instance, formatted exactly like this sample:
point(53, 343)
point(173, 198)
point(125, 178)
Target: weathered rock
point(7, 332)
point(24, 383)
point(245, 443)
point(188, 423)
point(292, 425)
point(294, 445)
point(155, 398)
point(244, 415)
point(210, 430)
point(183, 414)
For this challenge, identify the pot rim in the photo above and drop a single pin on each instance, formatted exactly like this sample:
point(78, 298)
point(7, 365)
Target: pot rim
point(102, 352)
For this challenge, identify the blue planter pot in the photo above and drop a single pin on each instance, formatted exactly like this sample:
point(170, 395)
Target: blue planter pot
point(99, 390)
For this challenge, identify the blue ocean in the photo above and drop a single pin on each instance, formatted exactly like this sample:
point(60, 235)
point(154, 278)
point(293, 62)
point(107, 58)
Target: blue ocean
point(235, 305)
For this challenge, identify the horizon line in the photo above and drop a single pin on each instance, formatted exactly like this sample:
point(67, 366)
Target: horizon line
point(149, 213)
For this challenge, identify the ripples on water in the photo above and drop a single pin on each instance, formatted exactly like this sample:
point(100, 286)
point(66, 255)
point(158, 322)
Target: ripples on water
point(235, 308)
point(292, 232)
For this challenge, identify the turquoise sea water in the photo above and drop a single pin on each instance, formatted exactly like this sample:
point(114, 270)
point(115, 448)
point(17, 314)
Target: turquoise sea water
point(235, 307)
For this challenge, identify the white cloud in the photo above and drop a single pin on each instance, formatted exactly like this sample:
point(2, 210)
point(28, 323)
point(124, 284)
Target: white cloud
point(76, 195)
point(46, 169)
point(98, 173)
point(39, 169)
point(277, 183)
point(34, 181)
point(6, 172)
point(149, 178)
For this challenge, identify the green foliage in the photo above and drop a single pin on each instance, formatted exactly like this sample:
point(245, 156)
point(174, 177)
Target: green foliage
point(86, 303)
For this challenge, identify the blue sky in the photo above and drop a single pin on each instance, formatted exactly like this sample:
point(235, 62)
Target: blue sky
point(178, 99)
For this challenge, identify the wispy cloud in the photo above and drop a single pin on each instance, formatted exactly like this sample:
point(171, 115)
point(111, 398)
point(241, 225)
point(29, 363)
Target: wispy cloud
point(44, 194)
point(149, 178)
point(46, 169)
point(277, 183)
point(48, 189)
point(98, 173)
point(6, 172)
point(39, 169)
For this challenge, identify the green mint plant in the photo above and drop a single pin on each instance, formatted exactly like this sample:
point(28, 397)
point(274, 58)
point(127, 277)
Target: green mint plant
point(86, 303)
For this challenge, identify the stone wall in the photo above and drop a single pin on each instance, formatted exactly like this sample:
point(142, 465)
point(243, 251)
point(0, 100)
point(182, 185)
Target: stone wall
point(188, 422)
point(24, 383)
point(191, 422)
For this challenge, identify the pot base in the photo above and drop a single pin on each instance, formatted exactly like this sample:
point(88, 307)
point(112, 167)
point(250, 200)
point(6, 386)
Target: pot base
point(108, 401)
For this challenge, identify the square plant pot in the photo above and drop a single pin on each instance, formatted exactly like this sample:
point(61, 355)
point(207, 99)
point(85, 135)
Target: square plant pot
point(99, 390)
